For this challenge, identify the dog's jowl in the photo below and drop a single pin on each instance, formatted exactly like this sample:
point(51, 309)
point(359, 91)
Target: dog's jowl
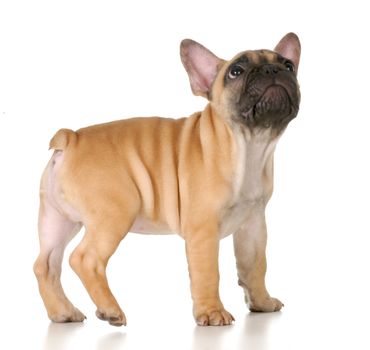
point(203, 177)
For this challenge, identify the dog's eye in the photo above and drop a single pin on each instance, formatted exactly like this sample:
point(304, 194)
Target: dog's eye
point(289, 66)
point(235, 71)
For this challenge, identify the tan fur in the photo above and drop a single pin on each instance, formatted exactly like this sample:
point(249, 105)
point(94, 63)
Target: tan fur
point(203, 177)
point(61, 139)
point(169, 161)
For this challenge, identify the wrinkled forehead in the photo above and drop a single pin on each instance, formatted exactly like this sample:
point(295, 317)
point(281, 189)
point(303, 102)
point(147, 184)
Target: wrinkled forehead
point(258, 57)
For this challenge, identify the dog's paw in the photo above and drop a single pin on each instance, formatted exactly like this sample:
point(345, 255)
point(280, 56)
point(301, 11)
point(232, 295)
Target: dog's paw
point(215, 318)
point(69, 315)
point(265, 305)
point(115, 318)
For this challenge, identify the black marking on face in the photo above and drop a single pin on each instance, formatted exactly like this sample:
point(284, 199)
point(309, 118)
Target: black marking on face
point(265, 89)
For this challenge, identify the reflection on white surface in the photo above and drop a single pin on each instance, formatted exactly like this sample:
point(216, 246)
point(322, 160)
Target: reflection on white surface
point(111, 341)
point(72, 335)
point(255, 332)
point(210, 337)
point(250, 333)
point(59, 335)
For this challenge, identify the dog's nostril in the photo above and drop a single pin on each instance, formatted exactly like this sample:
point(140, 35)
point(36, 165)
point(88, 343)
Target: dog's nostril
point(270, 69)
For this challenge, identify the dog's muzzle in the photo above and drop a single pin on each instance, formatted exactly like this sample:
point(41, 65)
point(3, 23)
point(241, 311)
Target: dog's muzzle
point(271, 98)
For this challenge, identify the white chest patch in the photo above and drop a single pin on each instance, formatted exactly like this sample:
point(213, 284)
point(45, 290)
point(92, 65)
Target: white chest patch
point(252, 181)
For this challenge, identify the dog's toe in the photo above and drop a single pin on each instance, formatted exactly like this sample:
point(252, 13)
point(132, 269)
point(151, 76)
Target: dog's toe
point(215, 318)
point(72, 315)
point(266, 305)
point(116, 318)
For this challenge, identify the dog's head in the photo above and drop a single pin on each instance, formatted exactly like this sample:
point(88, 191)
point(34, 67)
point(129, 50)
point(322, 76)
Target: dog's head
point(257, 89)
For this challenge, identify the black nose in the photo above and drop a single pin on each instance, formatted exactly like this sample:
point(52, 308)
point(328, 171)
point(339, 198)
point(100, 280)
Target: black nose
point(270, 69)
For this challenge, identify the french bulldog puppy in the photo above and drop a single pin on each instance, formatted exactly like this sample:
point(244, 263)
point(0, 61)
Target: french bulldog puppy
point(203, 177)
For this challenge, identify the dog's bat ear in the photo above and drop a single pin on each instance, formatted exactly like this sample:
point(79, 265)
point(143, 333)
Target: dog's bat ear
point(290, 47)
point(201, 65)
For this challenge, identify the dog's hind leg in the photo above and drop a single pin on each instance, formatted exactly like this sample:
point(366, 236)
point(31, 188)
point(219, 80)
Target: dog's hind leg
point(89, 260)
point(55, 232)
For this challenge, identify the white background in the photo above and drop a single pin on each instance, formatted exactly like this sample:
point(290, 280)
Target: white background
point(76, 63)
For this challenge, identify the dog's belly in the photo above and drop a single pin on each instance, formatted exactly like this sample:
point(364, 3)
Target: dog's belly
point(142, 225)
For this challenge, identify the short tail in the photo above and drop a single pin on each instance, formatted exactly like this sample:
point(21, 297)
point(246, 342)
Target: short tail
point(61, 139)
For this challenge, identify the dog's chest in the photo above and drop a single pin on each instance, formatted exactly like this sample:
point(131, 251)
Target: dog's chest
point(251, 183)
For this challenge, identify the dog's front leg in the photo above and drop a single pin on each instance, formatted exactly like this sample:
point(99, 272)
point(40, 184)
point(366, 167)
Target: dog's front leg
point(202, 244)
point(250, 246)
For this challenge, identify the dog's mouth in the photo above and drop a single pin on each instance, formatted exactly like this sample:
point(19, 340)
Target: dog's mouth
point(274, 107)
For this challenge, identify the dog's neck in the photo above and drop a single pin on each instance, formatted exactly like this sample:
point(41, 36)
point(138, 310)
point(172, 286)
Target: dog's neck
point(253, 156)
point(259, 144)
point(254, 162)
point(252, 180)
